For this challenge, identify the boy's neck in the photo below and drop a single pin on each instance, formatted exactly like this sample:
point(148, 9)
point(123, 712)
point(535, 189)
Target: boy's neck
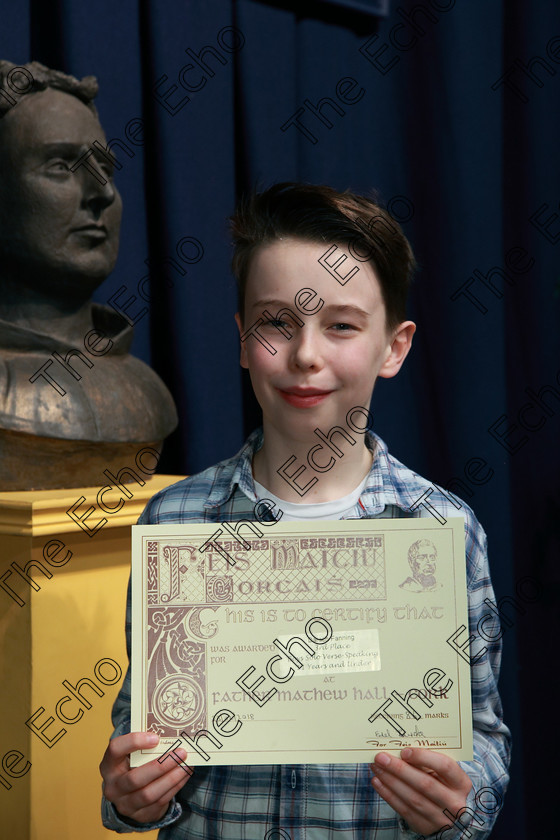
point(345, 475)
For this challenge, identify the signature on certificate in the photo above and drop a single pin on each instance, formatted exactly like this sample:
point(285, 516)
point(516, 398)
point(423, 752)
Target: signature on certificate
point(413, 742)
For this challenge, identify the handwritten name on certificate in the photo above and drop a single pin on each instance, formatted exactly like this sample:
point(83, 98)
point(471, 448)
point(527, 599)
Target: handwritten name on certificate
point(291, 642)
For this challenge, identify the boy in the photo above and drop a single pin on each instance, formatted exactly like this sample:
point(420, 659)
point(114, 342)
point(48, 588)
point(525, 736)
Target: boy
point(316, 331)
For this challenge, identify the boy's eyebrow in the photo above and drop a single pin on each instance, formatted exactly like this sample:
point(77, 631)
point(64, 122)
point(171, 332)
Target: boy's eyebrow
point(346, 308)
point(334, 308)
point(264, 303)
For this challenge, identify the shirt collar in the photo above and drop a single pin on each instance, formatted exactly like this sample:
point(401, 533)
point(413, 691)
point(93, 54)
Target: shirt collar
point(389, 483)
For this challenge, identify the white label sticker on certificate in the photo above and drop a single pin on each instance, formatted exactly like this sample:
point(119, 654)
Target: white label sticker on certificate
point(348, 651)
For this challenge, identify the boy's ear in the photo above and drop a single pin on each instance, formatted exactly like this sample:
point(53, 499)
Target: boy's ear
point(243, 354)
point(397, 349)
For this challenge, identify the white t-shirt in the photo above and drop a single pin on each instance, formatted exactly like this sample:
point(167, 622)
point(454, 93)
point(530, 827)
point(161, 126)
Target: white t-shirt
point(294, 511)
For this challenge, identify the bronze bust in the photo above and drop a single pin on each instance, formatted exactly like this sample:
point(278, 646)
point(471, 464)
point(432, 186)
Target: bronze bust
point(73, 402)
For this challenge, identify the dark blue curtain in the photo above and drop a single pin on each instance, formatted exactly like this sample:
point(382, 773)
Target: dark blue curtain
point(450, 110)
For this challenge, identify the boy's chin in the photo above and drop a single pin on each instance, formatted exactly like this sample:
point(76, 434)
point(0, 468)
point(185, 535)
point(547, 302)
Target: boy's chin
point(300, 427)
point(293, 426)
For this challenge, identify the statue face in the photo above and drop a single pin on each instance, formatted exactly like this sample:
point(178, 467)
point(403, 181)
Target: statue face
point(56, 224)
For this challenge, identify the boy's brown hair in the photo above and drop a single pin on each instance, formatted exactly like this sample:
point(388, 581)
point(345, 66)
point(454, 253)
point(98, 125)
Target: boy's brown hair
point(321, 214)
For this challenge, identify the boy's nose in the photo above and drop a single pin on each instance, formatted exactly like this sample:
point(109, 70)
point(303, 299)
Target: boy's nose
point(306, 349)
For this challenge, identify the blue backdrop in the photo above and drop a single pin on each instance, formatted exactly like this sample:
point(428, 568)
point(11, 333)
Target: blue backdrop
point(450, 110)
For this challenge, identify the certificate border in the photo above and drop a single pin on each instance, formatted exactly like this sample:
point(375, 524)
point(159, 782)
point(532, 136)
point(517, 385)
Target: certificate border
point(143, 533)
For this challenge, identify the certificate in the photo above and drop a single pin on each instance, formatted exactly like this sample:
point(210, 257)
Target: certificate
point(283, 643)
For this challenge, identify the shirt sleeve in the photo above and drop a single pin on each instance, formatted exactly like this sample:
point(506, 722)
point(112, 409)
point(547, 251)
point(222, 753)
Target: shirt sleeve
point(488, 771)
point(121, 721)
point(492, 739)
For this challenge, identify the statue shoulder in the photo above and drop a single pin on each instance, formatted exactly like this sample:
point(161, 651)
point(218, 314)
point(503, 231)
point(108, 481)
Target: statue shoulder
point(110, 398)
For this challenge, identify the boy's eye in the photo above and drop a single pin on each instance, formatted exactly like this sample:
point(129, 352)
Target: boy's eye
point(276, 322)
point(342, 327)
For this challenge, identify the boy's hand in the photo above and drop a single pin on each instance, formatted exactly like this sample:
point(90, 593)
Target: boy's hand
point(420, 785)
point(142, 793)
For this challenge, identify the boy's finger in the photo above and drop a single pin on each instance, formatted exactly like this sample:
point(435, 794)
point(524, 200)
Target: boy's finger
point(422, 813)
point(156, 791)
point(422, 790)
point(140, 778)
point(123, 745)
point(446, 768)
point(414, 783)
point(392, 798)
point(173, 787)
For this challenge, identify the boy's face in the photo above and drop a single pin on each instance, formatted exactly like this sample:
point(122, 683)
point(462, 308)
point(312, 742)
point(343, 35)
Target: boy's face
point(330, 364)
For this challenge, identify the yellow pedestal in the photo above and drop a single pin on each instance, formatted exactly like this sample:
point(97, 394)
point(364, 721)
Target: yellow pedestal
point(70, 628)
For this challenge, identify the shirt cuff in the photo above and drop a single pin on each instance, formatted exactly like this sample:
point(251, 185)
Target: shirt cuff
point(116, 822)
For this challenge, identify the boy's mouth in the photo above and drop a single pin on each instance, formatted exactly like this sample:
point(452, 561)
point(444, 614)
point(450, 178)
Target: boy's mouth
point(303, 397)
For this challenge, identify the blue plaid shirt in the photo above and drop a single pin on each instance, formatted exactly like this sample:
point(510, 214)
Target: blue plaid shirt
point(322, 801)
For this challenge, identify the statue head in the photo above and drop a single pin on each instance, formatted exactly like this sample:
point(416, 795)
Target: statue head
point(60, 211)
point(60, 216)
